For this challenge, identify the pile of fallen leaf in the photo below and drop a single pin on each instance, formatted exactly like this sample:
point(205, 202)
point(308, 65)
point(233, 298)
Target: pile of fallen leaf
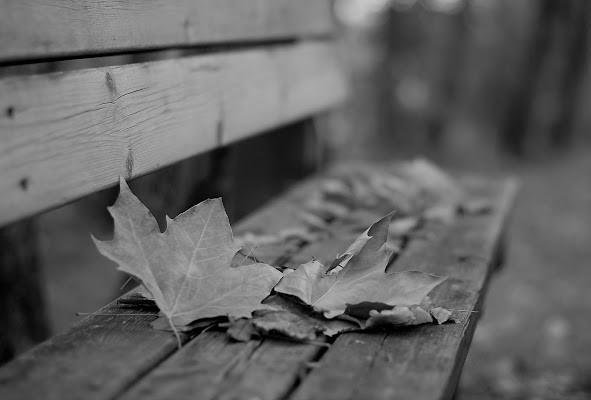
point(189, 272)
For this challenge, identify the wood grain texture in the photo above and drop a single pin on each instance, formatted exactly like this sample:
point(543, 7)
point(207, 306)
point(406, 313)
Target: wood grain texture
point(96, 359)
point(422, 362)
point(61, 28)
point(65, 135)
point(101, 356)
point(212, 365)
point(271, 369)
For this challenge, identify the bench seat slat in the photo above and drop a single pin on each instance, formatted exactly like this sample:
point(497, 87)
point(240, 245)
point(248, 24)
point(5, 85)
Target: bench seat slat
point(66, 135)
point(264, 370)
point(101, 356)
point(64, 28)
point(345, 371)
point(421, 362)
point(96, 359)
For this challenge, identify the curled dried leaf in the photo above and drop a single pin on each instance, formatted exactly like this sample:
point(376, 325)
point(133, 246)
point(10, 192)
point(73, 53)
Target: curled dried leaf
point(440, 314)
point(399, 315)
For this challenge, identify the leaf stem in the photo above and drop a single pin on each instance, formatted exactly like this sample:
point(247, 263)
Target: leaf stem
point(176, 332)
point(126, 282)
point(250, 251)
point(116, 315)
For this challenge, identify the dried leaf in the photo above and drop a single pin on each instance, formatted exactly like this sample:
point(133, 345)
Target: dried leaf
point(286, 323)
point(289, 319)
point(335, 188)
point(433, 181)
point(299, 233)
point(441, 315)
point(362, 279)
point(313, 220)
point(242, 330)
point(272, 323)
point(324, 208)
point(399, 315)
point(187, 268)
point(341, 261)
point(329, 327)
point(476, 206)
point(402, 226)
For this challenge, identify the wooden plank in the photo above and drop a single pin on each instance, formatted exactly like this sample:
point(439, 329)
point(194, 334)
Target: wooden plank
point(272, 369)
point(265, 369)
point(102, 355)
point(271, 372)
point(421, 362)
point(424, 362)
point(198, 370)
point(65, 28)
point(213, 366)
point(96, 359)
point(65, 135)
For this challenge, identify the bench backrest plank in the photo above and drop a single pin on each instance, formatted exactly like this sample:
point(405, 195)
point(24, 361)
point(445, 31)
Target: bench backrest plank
point(64, 28)
point(65, 135)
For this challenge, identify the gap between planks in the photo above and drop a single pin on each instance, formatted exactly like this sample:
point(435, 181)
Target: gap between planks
point(49, 29)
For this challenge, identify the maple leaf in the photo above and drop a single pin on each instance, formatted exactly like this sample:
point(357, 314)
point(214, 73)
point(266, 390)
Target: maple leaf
point(341, 261)
point(361, 282)
point(187, 268)
point(329, 327)
point(399, 315)
point(290, 319)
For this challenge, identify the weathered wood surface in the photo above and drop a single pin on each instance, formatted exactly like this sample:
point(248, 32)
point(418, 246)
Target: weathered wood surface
point(213, 366)
point(429, 358)
point(96, 359)
point(65, 135)
point(65, 28)
point(421, 362)
point(101, 356)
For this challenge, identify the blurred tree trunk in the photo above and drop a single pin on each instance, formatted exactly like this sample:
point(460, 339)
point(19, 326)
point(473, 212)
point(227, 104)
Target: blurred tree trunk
point(514, 132)
point(564, 24)
point(448, 78)
point(577, 31)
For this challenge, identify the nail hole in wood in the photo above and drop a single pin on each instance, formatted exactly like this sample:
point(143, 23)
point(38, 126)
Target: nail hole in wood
point(24, 183)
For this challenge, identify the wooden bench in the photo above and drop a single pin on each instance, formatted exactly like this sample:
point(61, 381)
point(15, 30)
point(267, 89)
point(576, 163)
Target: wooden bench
point(65, 135)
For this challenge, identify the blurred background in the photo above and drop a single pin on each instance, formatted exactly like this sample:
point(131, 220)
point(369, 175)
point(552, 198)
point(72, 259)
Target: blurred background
point(498, 87)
